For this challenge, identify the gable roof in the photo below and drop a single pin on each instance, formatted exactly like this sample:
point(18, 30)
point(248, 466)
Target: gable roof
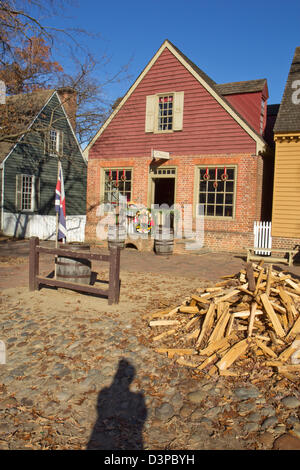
point(288, 119)
point(30, 104)
point(209, 84)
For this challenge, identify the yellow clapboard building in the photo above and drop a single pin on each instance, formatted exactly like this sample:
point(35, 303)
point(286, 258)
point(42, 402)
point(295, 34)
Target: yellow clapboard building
point(286, 189)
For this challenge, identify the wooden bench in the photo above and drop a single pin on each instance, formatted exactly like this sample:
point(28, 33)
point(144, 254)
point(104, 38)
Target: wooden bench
point(251, 256)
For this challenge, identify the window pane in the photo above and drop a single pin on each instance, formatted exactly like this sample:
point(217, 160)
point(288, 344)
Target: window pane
point(210, 197)
point(219, 211)
point(220, 198)
point(209, 209)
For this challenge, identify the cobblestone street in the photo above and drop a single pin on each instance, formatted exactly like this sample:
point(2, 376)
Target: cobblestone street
point(81, 374)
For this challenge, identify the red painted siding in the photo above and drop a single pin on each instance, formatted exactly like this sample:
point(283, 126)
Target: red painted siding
point(249, 106)
point(207, 127)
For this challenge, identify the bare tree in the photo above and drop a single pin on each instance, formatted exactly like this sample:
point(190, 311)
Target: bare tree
point(27, 47)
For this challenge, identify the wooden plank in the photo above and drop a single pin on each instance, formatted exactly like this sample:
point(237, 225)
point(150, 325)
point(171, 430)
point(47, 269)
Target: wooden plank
point(250, 277)
point(114, 276)
point(272, 315)
point(33, 263)
point(164, 322)
point(289, 305)
point(258, 282)
point(164, 335)
point(207, 362)
point(73, 286)
point(233, 354)
point(201, 300)
point(265, 349)
point(215, 346)
point(191, 323)
point(73, 253)
point(295, 330)
point(219, 330)
point(269, 280)
point(172, 351)
point(227, 296)
point(188, 309)
point(208, 321)
point(252, 318)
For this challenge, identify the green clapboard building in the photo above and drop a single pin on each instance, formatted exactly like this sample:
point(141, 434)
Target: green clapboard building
point(37, 129)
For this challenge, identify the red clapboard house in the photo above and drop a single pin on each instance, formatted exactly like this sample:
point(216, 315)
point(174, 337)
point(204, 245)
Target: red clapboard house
point(173, 137)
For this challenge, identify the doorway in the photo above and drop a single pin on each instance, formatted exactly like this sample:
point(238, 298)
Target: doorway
point(164, 191)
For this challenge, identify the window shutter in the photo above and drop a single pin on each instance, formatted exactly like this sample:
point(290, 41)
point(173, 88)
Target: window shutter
point(37, 194)
point(150, 113)
point(178, 111)
point(60, 143)
point(19, 182)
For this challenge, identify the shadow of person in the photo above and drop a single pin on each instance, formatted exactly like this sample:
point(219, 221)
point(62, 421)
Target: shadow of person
point(121, 414)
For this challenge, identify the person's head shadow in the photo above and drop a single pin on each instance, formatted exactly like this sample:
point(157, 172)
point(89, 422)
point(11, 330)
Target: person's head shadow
point(121, 414)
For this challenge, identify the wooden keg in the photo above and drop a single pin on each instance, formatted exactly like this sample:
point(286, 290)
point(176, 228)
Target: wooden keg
point(74, 269)
point(116, 236)
point(164, 241)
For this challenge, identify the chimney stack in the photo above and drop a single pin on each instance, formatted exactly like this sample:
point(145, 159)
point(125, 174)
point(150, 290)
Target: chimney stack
point(68, 97)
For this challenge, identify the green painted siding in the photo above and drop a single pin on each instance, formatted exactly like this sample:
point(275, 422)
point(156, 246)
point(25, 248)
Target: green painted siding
point(29, 157)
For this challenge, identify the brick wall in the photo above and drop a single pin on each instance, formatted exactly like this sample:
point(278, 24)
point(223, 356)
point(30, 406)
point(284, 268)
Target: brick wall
point(219, 234)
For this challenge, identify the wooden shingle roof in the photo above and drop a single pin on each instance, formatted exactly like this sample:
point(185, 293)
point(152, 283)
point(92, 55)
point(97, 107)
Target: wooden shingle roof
point(288, 118)
point(249, 86)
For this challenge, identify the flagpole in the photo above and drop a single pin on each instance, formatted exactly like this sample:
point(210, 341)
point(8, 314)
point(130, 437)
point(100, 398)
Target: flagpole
point(56, 229)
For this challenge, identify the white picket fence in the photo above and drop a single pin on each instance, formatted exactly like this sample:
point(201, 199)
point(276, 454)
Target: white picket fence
point(262, 237)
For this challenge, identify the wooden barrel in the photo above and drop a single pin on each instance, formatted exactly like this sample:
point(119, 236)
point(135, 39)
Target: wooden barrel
point(74, 269)
point(164, 241)
point(116, 236)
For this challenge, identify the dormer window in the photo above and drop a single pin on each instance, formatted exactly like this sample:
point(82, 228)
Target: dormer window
point(164, 112)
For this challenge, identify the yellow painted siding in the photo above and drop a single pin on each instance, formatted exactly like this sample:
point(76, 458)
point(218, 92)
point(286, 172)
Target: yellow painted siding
point(286, 195)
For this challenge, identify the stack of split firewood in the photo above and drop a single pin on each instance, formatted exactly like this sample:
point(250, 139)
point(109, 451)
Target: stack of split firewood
point(247, 320)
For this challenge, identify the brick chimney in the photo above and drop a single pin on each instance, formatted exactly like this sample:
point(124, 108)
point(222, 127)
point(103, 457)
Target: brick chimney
point(68, 97)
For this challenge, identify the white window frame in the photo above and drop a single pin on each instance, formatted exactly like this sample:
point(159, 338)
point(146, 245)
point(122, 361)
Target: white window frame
point(57, 139)
point(152, 112)
point(32, 193)
point(159, 117)
point(197, 190)
point(119, 169)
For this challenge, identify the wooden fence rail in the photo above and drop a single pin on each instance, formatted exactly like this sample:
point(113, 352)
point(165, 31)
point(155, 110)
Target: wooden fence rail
point(113, 291)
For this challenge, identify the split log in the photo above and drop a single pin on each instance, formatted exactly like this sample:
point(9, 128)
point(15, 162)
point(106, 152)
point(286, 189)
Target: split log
point(219, 330)
point(215, 346)
point(164, 322)
point(164, 335)
point(233, 354)
point(207, 324)
point(265, 348)
point(250, 277)
point(272, 315)
point(172, 351)
point(188, 309)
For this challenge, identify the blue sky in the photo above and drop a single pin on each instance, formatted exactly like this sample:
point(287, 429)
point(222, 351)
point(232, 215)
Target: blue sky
point(229, 40)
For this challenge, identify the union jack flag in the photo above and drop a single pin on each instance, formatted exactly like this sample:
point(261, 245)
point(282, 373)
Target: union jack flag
point(60, 204)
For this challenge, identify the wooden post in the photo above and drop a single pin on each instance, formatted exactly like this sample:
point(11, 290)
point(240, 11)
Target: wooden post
point(114, 276)
point(33, 263)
